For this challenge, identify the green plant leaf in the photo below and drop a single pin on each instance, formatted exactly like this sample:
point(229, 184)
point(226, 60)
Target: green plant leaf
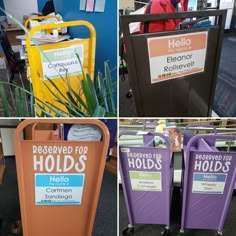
point(108, 75)
point(75, 106)
point(80, 100)
point(111, 107)
point(91, 87)
point(54, 86)
point(83, 74)
point(5, 104)
point(31, 100)
point(71, 111)
point(68, 100)
point(21, 106)
point(43, 113)
point(90, 94)
point(99, 112)
point(64, 102)
point(58, 112)
point(101, 90)
point(110, 114)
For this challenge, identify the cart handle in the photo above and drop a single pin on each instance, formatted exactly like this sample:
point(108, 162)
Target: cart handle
point(92, 39)
point(208, 136)
point(34, 122)
point(153, 134)
point(40, 18)
point(127, 19)
point(62, 24)
point(199, 126)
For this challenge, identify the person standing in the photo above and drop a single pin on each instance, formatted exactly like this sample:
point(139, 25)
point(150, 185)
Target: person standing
point(140, 3)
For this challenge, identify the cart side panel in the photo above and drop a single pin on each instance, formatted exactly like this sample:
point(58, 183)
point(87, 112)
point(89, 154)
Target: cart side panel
point(147, 199)
point(35, 61)
point(210, 177)
point(59, 220)
point(194, 101)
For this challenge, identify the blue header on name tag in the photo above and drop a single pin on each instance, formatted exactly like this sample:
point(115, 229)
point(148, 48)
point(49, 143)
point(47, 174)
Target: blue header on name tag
point(59, 180)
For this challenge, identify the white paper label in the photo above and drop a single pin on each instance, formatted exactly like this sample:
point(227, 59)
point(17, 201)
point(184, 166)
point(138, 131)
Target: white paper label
point(84, 132)
point(125, 150)
point(145, 181)
point(209, 183)
point(59, 189)
point(62, 61)
point(176, 56)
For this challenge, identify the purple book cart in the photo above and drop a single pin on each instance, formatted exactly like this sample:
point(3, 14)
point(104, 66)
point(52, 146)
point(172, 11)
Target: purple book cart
point(147, 181)
point(208, 182)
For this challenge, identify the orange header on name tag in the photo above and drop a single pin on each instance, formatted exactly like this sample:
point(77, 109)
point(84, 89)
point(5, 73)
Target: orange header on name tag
point(166, 45)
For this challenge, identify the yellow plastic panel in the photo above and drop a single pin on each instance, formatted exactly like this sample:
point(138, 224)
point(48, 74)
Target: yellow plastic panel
point(36, 59)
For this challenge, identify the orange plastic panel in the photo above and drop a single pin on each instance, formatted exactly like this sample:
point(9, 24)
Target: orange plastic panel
point(60, 220)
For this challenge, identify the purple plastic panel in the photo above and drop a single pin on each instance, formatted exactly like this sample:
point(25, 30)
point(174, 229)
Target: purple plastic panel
point(209, 180)
point(187, 136)
point(146, 179)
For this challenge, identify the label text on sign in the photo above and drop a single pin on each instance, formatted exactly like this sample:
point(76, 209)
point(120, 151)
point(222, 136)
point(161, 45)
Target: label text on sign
point(145, 161)
point(59, 158)
point(58, 189)
point(179, 43)
point(176, 56)
point(212, 163)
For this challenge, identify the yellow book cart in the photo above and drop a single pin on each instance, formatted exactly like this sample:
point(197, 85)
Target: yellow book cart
point(56, 62)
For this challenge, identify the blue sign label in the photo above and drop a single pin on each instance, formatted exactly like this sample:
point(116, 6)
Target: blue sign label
point(58, 189)
point(209, 177)
point(208, 183)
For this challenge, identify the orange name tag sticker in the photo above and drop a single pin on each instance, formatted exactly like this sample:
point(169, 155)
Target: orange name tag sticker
point(177, 56)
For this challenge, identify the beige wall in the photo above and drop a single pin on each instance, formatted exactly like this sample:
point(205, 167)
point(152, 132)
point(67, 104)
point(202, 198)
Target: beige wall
point(19, 8)
point(8, 141)
point(126, 3)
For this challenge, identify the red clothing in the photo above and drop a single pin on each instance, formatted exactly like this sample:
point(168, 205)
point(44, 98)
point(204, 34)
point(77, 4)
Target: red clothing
point(159, 7)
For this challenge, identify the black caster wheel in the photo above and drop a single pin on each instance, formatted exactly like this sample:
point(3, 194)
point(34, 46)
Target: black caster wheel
point(165, 232)
point(129, 94)
point(181, 233)
point(128, 231)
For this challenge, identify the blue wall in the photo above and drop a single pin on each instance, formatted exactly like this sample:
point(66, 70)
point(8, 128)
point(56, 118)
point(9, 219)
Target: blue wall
point(2, 6)
point(105, 24)
point(41, 4)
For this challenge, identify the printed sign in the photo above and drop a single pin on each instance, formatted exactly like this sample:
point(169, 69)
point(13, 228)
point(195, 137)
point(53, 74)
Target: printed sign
point(209, 183)
point(144, 160)
point(144, 168)
point(145, 181)
point(210, 172)
point(63, 61)
point(176, 56)
point(212, 163)
point(58, 189)
point(84, 132)
point(59, 173)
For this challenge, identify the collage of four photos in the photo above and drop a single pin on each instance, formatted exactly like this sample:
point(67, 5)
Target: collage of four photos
point(117, 118)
